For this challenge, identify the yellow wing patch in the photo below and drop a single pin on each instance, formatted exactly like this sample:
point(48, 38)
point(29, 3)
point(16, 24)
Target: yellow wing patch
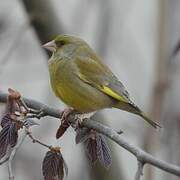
point(111, 93)
point(105, 90)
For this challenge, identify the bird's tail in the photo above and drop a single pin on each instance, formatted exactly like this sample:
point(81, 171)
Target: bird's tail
point(130, 107)
point(151, 122)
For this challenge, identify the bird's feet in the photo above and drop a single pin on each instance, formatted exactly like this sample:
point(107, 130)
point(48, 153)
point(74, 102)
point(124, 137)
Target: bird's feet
point(79, 118)
point(64, 122)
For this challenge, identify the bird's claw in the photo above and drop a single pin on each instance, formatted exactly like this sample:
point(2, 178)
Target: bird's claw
point(65, 113)
point(77, 123)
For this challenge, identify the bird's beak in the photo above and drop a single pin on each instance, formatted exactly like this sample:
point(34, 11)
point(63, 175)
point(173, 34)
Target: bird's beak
point(51, 46)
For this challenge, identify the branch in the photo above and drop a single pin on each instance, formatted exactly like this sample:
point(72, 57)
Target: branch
point(36, 140)
point(141, 155)
point(139, 172)
point(3, 161)
point(13, 153)
point(48, 111)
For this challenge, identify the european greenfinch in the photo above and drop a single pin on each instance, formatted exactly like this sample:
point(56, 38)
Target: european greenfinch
point(82, 81)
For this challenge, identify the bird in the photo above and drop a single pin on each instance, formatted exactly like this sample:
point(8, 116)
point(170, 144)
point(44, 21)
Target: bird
point(83, 82)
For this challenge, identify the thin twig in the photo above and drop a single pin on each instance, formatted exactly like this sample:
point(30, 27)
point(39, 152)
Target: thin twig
point(108, 132)
point(34, 140)
point(13, 153)
point(3, 161)
point(139, 172)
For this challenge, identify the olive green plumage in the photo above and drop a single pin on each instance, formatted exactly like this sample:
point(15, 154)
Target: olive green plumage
point(81, 80)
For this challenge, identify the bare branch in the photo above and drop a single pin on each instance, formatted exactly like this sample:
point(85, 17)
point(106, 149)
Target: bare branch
point(36, 140)
point(35, 105)
point(139, 172)
point(3, 161)
point(13, 153)
point(108, 132)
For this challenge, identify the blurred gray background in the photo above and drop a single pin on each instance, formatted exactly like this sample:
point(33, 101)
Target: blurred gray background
point(135, 38)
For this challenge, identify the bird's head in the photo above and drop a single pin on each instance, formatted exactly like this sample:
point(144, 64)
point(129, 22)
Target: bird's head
point(62, 41)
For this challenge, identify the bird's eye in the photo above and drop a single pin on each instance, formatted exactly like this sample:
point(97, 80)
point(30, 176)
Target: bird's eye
point(60, 43)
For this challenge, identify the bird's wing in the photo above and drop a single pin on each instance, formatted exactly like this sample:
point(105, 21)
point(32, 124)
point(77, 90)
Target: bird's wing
point(100, 76)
